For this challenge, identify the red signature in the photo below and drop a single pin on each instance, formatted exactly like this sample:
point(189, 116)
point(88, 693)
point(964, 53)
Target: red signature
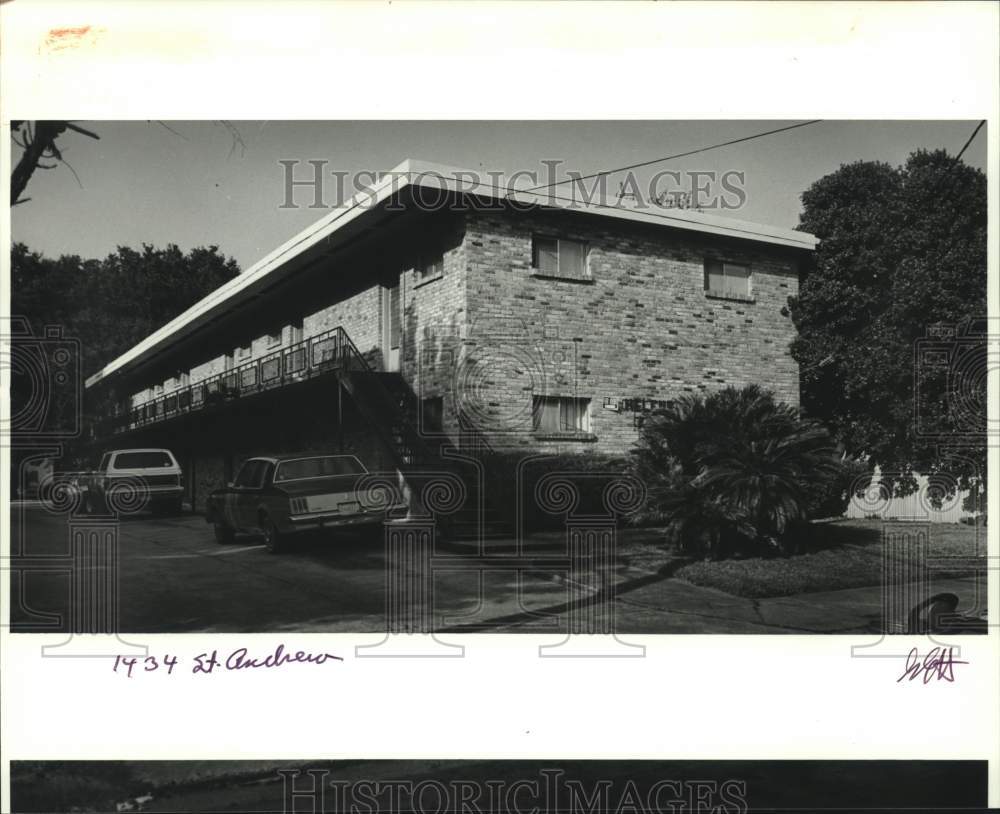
point(938, 664)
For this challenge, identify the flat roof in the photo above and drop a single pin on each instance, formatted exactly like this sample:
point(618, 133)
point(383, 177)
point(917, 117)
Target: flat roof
point(422, 176)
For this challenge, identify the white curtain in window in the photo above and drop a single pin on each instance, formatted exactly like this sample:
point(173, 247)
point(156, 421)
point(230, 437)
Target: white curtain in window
point(547, 255)
point(737, 280)
point(572, 259)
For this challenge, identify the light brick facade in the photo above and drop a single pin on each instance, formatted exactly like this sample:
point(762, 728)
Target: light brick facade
point(490, 333)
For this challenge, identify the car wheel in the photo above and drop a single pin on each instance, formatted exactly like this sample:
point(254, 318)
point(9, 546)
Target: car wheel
point(273, 540)
point(223, 534)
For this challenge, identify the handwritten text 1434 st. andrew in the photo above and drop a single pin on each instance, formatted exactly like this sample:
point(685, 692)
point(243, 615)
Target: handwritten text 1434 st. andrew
point(238, 660)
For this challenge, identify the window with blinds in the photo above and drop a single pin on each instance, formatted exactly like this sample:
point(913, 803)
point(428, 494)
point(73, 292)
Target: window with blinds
point(730, 280)
point(554, 257)
point(560, 414)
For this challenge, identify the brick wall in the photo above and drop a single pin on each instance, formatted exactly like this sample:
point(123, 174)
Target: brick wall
point(641, 327)
point(360, 315)
point(489, 334)
point(434, 323)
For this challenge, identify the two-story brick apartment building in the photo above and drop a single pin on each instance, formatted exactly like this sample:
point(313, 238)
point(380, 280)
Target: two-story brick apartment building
point(430, 308)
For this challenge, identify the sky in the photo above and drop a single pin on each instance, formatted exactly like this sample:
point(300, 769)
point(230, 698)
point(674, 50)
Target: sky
point(192, 183)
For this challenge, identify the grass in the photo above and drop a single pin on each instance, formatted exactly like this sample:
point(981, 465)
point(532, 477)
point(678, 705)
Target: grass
point(841, 554)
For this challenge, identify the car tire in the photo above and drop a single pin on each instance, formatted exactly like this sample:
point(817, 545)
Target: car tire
point(273, 540)
point(223, 534)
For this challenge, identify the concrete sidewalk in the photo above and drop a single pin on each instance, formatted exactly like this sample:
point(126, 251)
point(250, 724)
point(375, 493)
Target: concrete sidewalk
point(649, 600)
point(674, 606)
point(656, 604)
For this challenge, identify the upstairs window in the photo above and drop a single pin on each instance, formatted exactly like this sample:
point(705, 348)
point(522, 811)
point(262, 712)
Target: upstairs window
point(553, 257)
point(273, 340)
point(430, 268)
point(560, 414)
point(243, 352)
point(730, 280)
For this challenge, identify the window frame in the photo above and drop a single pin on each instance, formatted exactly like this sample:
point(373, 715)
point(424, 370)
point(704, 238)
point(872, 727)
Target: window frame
point(261, 465)
point(584, 277)
point(428, 412)
point(116, 464)
point(277, 470)
point(723, 294)
point(584, 414)
point(425, 262)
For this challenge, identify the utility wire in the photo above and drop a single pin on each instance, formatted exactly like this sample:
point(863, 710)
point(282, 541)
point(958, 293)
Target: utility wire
point(671, 157)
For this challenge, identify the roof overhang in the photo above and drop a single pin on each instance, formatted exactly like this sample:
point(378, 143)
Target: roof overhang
point(354, 216)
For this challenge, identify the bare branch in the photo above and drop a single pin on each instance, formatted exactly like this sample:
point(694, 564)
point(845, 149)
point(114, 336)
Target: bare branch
point(38, 142)
point(77, 177)
point(236, 137)
point(79, 129)
point(166, 126)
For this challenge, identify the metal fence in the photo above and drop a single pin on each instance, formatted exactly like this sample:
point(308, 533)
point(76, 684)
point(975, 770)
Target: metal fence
point(318, 355)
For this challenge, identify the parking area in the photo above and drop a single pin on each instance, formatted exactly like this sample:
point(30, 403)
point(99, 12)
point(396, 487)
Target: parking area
point(172, 576)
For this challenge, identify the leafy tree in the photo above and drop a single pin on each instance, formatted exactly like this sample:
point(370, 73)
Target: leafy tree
point(902, 250)
point(732, 467)
point(111, 304)
point(107, 306)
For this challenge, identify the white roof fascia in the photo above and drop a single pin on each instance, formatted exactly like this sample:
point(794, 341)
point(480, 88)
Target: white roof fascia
point(438, 177)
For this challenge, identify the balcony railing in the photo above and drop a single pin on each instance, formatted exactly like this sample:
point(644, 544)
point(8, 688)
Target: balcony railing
point(317, 356)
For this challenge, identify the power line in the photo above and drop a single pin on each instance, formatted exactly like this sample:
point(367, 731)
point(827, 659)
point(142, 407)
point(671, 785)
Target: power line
point(672, 157)
point(966, 147)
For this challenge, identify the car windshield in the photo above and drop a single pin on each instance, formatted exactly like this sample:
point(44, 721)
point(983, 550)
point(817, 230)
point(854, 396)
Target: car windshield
point(152, 459)
point(321, 467)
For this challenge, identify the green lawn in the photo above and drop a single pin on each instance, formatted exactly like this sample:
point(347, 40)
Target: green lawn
point(842, 554)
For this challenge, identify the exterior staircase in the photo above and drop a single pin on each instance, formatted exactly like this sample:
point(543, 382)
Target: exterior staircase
point(391, 407)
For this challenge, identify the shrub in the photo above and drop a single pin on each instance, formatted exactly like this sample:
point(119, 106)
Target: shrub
point(511, 475)
point(831, 497)
point(731, 470)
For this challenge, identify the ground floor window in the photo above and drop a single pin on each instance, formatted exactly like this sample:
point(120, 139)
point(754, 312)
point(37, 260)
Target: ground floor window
point(432, 414)
point(559, 414)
